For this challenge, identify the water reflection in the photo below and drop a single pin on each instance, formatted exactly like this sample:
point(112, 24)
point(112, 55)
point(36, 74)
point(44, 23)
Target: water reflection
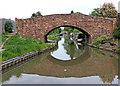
point(60, 53)
point(90, 66)
point(67, 50)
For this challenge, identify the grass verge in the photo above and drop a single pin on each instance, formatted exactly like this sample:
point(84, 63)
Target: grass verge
point(17, 46)
point(53, 37)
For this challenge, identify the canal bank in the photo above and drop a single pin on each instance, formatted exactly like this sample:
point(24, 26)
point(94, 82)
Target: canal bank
point(27, 56)
point(102, 48)
point(18, 49)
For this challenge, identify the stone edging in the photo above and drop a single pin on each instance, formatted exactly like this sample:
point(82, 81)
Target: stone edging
point(19, 59)
point(107, 49)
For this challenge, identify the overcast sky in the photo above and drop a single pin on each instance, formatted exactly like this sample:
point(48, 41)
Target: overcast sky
point(25, 8)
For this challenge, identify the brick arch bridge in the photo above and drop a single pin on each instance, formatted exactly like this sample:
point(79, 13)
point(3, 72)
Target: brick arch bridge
point(39, 27)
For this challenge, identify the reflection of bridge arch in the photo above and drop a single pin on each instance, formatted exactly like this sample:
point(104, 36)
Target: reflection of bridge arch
point(93, 66)
point(78, 60)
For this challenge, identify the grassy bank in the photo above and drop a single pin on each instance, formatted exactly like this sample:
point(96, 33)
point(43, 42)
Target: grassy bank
point(17, 46)
point(53, 37)
point(4, 36)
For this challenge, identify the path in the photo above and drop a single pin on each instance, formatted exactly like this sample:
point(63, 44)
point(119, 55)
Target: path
point(3, 45)
point(9, 36)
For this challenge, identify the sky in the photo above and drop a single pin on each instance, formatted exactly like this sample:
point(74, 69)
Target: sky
point(22, 9)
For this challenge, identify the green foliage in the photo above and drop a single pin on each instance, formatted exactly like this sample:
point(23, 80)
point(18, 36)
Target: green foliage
point(33, 15)
point(116, 33)
point(0, 39)
point(3, 37)
point(119, 48)
point(17, 46)
point(95, 12)
point(73, 30)
point(67, 28)
point(54, 35)
point(53, 38)
point(8, 27)
point(96, 43)
point(100, 39)
point(37, 14)
point(55, 31)
point(77, 13)
point(77, 31)
point(103, 38)
point(108, 10)
point(117, 23)
point(5, 33)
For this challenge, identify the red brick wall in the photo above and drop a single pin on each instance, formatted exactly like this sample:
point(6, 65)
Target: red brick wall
point(119, 18)
point(38, 27)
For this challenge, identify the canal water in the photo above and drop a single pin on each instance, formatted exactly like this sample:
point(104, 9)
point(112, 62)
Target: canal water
point(68, 64)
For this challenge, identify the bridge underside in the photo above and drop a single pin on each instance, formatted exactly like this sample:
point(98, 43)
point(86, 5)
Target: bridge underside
point(87, 35)
point(39, 27)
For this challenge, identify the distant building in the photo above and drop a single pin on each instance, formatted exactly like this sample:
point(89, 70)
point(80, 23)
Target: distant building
point(2, 25)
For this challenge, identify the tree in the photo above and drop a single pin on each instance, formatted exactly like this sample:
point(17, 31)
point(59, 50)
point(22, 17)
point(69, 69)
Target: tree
point(108, 10)
point(95, 12)
point(72, 11)
point(8, 27)
point(37, 14)
point(33, 15)
point(77, 13)
point(116, 34)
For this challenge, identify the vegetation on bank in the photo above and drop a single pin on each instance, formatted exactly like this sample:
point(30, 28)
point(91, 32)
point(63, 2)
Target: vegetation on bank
point(103, 39)
point(17, 46)
point(54, 35)
point(3, 37)
point(116, 34)
point(73, 30)
point(118, 48)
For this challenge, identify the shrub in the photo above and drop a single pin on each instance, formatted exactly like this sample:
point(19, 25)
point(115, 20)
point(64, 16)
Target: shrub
point(116, 32)
point(96, 43)
point(119, 48)
point(103, 38)
point(8, 27)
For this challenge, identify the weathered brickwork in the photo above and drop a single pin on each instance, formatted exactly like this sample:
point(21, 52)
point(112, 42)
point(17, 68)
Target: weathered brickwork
point(39, 27)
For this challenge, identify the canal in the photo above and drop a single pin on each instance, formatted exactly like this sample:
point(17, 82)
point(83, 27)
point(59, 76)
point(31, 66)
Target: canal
point(68, 64)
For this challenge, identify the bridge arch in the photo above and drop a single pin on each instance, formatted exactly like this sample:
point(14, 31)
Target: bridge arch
point(88, 35)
